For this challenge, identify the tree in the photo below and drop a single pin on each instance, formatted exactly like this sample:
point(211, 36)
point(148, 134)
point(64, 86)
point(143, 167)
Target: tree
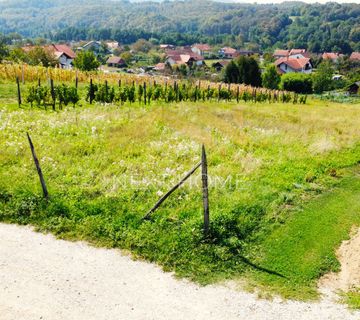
point(86, 61)
point(3, 49)
point(254, 74)
point(249, 71)
point(41, 56)
point(322, 78)
point(232, 73)
point(270, 78)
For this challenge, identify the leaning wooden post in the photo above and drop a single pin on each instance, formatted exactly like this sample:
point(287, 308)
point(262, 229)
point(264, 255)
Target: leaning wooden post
point(18, 91)
point(205, 190)
point(38, 168)
point(167, 194)
point(237, 94)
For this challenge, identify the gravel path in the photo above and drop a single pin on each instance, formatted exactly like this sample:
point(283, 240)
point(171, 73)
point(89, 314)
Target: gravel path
point(45, 278)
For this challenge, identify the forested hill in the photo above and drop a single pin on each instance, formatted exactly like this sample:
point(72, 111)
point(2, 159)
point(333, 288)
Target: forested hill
point(316, 27)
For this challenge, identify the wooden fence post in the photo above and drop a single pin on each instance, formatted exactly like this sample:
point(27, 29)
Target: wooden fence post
point(53, 93)
point(38, 168)
point(91, 93)
point(18, 91)
point(167, 194)
point(145, 93)
point(205, 190)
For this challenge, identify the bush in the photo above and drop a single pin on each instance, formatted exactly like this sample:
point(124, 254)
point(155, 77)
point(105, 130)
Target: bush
point(297, 82)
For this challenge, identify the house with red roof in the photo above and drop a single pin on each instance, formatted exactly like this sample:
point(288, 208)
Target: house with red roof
point(228, 53)
point(279, 53)
point(355, 56)
point(116, 62)
point(300, 65)
point(183, 56)
point(63, 54)
point(200, 49)
point(293, 53)
point(333, 56)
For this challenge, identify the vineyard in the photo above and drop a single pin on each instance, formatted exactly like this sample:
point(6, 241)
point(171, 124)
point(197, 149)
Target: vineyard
point(274, 160)
point(115, 88)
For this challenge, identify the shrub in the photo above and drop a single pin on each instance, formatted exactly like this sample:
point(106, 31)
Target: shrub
point(297, 82)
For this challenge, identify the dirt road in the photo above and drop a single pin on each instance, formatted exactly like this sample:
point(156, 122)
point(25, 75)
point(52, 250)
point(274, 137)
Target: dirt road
point(45, 278)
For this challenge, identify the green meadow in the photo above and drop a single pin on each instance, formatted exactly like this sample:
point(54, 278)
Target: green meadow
point(284, 184)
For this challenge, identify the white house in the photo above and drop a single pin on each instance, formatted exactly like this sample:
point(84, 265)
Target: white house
point(300, 65)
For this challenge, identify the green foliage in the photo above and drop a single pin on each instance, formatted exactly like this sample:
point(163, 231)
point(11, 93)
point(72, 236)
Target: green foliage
point(244, 70)
point(271, 78)
point(297, 82)
point(322, 78)
point(326, 27)
point(86, 61)
point(40, 56)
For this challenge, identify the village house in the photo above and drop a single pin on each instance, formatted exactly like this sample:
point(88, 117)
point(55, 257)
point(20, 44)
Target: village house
point(203, 50)
point(63, 54)
point(355, 56)
point(183, 56)
point(219, 65)
point(115, 62)
point(228, 53)
point(167, 47)
point(92, 46)
point(333, 56)
point(300, 65)
point(279, 53)
point(354, 88)
point(293, 54)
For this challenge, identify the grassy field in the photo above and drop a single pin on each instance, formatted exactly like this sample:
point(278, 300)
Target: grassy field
point(284, 183)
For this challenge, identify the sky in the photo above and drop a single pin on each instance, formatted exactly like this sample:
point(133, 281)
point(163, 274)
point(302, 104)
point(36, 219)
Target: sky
point(279, 1)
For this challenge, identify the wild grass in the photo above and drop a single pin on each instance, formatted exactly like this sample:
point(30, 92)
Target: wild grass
point(106, 165)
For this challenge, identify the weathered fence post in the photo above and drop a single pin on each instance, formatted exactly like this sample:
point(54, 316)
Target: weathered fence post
point(219, 92)
point(237, 94)
point(53, 93)
point(91, 93)
point(76, 80)
point(18, 91)
point(145, 93)
point(38, 168)
point(167, 194)
point(205, 190)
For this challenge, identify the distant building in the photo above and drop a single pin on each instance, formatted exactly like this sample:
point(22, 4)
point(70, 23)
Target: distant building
point(63, 54)
point(160, 67)
point(333, 56)
point(183, 56)
point(203, 50)
point(354, 88)
point(355, 56)
point(167, 47)
point(219, 65)
point(92, 46)
point(116, 62)
point(299, 65)
point(228, 53)
point(279, 53)
point(112, 45)
point(293, 54)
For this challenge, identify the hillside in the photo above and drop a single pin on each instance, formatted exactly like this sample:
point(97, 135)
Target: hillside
point(270, 165)
point(317, 27)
